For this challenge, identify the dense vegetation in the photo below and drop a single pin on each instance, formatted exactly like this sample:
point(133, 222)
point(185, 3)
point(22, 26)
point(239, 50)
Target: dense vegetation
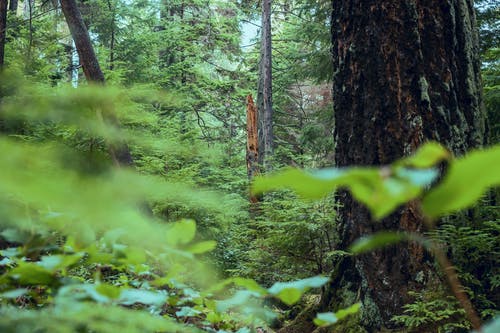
point(175, 237)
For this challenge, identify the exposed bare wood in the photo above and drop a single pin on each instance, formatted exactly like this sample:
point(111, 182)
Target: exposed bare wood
point(252, 142)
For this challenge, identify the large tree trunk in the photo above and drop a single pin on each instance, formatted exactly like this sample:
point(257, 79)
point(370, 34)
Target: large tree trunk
point(404, 72)
point(3, 30)
point(84, 47)
point(264, 96)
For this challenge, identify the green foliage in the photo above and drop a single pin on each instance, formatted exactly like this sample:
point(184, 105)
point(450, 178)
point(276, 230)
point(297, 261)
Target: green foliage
point(458, 190)
point(431, 311)
point(329, 318)
point(382, 190)
point(79, 237)
point(474, 250)
point(290, 292)
point(461, 187)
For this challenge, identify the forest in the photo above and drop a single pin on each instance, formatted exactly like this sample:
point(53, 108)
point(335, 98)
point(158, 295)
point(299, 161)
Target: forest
point(240, 166)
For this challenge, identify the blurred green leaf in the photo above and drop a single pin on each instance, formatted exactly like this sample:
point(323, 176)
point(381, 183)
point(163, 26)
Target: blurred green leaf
point(187, 311)
point(426, 156)
point(181, 232)
point(353, 309)
point(107, 290)
point(378, 240)
point(290, 292)
point(325, 319)
point(202, 247)
point(382, 190)
point(56, 262)
point(31, 274)
point(134, 296)
point(241, 297)
point(329, 318)
point(14, 293)
point(15, 235)
point(466, 180)
point(492, 327)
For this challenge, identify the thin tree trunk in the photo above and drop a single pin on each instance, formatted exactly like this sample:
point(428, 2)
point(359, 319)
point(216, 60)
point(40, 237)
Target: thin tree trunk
point(112, 41)
point(3, 30)
point(264, 98)
point(405, 72)
point(84, 47)
point(120, 152)
point(252, 143)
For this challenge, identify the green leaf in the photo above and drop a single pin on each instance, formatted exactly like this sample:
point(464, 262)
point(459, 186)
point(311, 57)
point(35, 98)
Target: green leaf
point(329, 318)
point(15, 293)
point(15, 235)
point(289, 296)
point(31, 274)
point(325, 319)
point(241, 297)
point(467, 179)
point(305, 184)
point(290, 292)
point(381, 189)
point(249, 284)
point(202, 247)
point(214, 318)
point(353, 309)
point(378, 240)
point(492, 327)
point(134, 296)
point(187, 311)
point(181, 232)
point(426, 156)
point(56, 262)
point(108, 290)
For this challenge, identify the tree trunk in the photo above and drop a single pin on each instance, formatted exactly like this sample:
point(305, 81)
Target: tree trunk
point(84, 47)
point(252, 143)
point(3, 30)
point(119, 151)
point(112, 10)
point(13, 5)
point(404, 72)
point(264, 98)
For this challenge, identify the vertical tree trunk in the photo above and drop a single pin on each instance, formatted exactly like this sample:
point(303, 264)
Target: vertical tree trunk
point(112, 9)
point(84, 47)
point(120, 152)
point(13, 5)
point(3, 30)
point(264, 98)
point(404, 72)
point(252, 143)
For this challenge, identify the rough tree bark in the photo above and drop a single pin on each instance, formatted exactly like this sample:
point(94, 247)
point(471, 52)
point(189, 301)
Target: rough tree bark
point(120, 152)
point(3, 30)
point(264, 97)
point(404, 72)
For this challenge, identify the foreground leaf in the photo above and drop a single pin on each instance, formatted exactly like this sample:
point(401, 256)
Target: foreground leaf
point(378, 240)
point(290, 292)
point(329, 318)
point(467, 179)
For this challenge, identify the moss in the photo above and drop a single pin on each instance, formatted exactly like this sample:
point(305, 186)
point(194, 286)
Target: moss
point(424, 90)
